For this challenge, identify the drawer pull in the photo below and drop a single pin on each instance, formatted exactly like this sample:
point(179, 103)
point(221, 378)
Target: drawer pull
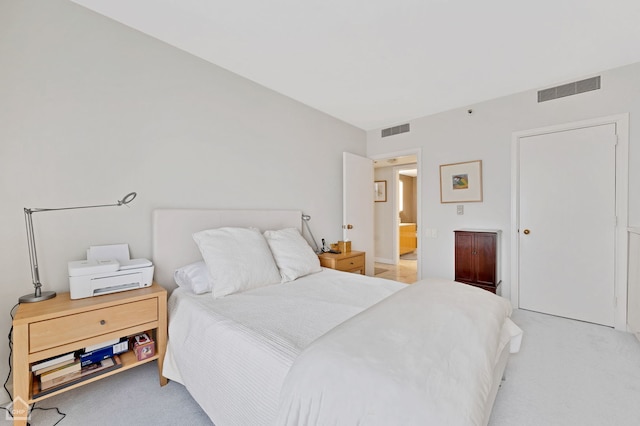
point(102, 322)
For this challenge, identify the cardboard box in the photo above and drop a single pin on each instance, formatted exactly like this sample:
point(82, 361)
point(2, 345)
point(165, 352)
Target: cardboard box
point(344, 246)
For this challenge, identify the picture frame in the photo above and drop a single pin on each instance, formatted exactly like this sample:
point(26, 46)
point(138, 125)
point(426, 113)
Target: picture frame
point(380, 191)
point(461, 182)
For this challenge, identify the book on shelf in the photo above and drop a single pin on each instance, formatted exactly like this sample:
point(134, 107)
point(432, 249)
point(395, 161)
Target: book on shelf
point(42, 388)
point(59, 359)
point(102, 345)
point(63, 370)
point(98, 355)
point(52, 367)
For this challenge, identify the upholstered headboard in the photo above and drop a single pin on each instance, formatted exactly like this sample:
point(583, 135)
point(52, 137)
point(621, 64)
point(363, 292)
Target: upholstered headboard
point(173, 245)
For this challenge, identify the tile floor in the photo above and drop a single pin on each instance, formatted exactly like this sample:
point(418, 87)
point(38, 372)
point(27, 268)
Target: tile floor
point(405, 271)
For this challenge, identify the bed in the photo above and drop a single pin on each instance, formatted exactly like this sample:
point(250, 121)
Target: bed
point(328, 347)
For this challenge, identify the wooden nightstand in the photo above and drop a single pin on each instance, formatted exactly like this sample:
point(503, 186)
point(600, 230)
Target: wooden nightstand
point(348, 262)
point(60, 325)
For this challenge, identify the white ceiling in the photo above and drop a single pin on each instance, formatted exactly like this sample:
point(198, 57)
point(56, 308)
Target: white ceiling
point(377, 63)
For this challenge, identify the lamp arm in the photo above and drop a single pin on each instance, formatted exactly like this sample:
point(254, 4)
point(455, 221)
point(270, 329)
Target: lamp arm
point(305, 219)
point(125, 200)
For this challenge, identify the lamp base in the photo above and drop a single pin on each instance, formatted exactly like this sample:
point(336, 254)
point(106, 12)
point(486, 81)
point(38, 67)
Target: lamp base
point(31, 298)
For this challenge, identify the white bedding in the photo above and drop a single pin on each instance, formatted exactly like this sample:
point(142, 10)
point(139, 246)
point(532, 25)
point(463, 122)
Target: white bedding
point(234, 353)
point(431, 362)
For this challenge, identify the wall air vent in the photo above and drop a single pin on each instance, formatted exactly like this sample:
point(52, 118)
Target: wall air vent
point(569, 89)
point(396, 130)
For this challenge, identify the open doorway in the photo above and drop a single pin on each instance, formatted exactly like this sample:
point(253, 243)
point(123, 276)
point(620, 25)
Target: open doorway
point(396, 218)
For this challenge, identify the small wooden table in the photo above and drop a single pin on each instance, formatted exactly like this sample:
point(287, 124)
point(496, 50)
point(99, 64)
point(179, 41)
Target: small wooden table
point(353, 261)
point(61, 325)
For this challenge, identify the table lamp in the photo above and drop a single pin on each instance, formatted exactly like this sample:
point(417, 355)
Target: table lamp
point(38, 294)
point(305, 219)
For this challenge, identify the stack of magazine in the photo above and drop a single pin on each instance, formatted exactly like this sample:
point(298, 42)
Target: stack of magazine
point(65, 370)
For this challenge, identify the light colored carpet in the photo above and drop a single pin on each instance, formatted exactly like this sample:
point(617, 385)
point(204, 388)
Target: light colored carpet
point(570, 373)
point(567, 373)
point(133, 397)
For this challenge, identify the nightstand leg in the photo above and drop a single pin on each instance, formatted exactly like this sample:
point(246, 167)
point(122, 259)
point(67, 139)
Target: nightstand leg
point(21, 376)
point(161, 337)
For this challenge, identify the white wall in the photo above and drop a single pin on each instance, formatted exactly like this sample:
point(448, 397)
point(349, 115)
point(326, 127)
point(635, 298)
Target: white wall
point(91, 110)
point(486, 135)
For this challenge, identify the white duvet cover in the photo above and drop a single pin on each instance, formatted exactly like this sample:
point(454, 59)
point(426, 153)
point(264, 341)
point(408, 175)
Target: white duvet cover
point(234, 353)
point(431, 361)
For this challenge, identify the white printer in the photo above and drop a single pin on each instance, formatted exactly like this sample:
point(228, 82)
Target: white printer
point(108, 269)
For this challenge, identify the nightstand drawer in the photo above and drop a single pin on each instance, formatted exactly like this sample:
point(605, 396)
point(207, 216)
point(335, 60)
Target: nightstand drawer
point(70, 328)
point(351, 263)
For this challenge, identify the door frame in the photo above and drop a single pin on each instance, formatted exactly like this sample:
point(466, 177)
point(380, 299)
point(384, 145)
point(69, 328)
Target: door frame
point(418, 153)
point(396, 208)
point(622, 207)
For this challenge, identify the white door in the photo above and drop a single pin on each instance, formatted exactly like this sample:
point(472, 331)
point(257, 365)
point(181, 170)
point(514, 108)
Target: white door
point(357, 205)
point(567, 223)
point(633, 297)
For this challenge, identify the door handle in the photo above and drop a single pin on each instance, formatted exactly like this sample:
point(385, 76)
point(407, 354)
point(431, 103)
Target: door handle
point(526, 232)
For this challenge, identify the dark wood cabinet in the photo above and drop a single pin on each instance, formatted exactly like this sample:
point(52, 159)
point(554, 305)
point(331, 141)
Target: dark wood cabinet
point(477, 260)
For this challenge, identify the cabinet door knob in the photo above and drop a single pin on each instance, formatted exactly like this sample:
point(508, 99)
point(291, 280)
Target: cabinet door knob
point(102, 322)
point(526, 232)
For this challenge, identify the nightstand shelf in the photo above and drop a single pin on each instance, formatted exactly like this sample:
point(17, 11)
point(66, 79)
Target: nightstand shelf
point(128, 360)
point(353, 261)
point(62, 325)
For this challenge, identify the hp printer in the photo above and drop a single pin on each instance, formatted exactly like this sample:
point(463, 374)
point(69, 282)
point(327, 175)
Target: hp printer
point(98, 276)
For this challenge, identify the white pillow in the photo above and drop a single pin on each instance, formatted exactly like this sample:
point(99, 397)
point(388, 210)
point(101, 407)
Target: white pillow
point(238, 259)
point(194, 277)
point(293, 255)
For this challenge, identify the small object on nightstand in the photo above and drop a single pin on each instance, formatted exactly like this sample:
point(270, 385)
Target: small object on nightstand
point(333, 248)
point(143, 346)
point(112, 273)
point(344, 246)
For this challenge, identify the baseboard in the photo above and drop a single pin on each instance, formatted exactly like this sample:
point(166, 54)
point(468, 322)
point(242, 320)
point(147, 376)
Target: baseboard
point(383, 260)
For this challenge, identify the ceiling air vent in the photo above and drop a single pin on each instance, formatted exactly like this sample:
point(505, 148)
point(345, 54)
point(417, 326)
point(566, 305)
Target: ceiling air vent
point(569, 89)
point(396, 130)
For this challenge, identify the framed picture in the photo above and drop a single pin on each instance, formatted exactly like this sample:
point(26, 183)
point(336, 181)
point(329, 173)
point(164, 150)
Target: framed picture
point(461, 182)
point(380, 191)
